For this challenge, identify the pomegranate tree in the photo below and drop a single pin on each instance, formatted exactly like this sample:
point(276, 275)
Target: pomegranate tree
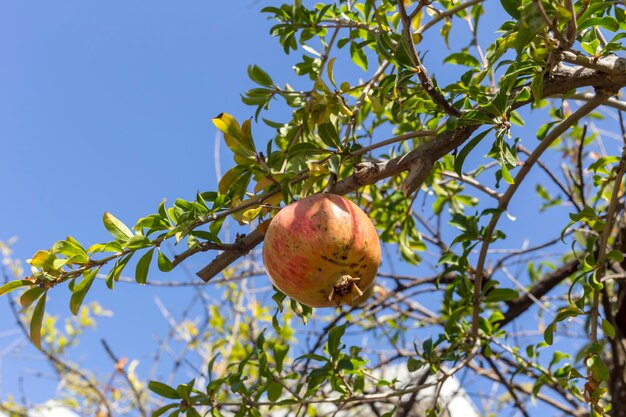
point(322, 251)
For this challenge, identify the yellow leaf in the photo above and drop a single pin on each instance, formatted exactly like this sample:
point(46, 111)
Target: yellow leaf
point(316, 169)
point(227, 124)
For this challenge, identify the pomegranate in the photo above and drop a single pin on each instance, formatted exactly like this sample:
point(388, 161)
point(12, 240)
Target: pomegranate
point(322, 251)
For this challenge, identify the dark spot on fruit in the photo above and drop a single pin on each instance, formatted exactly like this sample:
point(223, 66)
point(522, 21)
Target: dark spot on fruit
point(344, 257)
point(354, 265)
point(319, 269)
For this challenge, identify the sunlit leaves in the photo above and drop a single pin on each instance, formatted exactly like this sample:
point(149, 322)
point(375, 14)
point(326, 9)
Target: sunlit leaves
point(143, 266)
point(13, 285)
point(80, 290)
point(37, 320)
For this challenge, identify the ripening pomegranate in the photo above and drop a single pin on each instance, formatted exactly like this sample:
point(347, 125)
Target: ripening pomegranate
point(322, 251)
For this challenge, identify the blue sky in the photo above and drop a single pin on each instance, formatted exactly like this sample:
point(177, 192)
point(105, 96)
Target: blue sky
point(107, 106)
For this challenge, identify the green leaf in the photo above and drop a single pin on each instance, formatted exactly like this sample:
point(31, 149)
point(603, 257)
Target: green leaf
point(70, 249)
point(328, 134)
point(160, 411)
point(138, 242)
point(115, 272)
point(591, 47)
point(29, 296)
point(506, 175)
point(512, 8)
point(274, 390)
point(414, 364)
point(78, 295)
point(597, 368)
point(192, 412)
point(501, 294)
point(358, 55)
point(462, 58)
point(329, 70)
point(13, 285)
point(163, 390)
point(548, 334)
point(460, 158)
point(37, 320)
point(306, 148)
point(165, 265)
point(615, 255)
point(118, 229)
point(141, 272)
point(334, 339)
point(280, 351)
point(259, 76)
point(608, 329)
point(536, 85)
point(231, 177)
point(607, 22)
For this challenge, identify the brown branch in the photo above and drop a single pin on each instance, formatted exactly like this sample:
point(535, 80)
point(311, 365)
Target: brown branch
point(221, 261)
point(203, 247)
point(611, 64)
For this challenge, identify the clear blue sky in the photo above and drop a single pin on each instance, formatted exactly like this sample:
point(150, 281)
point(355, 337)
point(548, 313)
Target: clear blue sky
point(106, 106)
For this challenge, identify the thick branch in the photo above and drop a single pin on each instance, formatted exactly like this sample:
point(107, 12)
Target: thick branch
point(221, 261)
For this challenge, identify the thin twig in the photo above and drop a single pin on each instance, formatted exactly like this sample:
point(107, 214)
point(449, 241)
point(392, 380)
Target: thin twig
point(554, 178)
point(471, 181)
point(121, 370)
point(57, 361)
point(395, 139)
point(507, 385)
point(446, 14)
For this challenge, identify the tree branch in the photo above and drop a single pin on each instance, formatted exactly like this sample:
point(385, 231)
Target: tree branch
point(503, 203)
point(561, 80)
point(422, 73)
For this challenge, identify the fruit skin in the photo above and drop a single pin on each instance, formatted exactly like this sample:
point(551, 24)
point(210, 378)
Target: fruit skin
point(322, 251)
